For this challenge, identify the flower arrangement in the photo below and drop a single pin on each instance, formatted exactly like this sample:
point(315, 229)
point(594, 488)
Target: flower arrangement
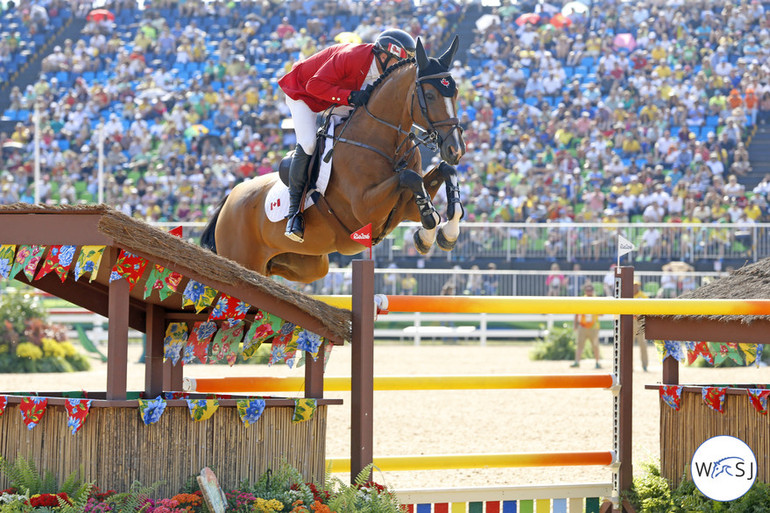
point(28, 343)
point(279, 491)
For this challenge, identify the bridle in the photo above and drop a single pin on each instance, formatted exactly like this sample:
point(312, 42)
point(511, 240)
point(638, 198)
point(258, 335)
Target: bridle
point(432, 138)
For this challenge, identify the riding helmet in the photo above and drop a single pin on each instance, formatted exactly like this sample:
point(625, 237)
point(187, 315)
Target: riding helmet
point(397, 43)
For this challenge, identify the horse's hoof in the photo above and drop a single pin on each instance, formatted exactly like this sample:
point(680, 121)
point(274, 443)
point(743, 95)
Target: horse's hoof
point(422, 248)
point(443, 242)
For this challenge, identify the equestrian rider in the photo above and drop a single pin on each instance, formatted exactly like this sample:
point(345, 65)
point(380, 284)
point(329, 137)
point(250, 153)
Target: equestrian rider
point(334, 76)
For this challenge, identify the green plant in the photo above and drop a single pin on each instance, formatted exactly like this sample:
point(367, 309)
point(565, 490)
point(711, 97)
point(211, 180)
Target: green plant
point(284, 484)
point(558, 344)
point(132, 500)
point(363, 496)
point(652, 493)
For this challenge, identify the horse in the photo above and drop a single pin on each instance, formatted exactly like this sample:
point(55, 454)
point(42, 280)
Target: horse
point(375, 178)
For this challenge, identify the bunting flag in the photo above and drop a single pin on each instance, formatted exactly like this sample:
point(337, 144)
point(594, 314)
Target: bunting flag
point(128, 266)
point(327, 348)
point(170, 396)
point(198, 342)
point(229, 308)
point(226, 342)
point(176, 338)
point(714, 397)
point(77, 411)
point(150, 410)
point(671, 348)
point(726, 351)
point(7, 253)
point(250, 410)
point(202, 409)
point(758, 398)
point(671, 395)
point(3, 403)
point(750, 353)
point(165, 281)
point(27, 258)
point(283, 350)
point(310, 342)
point(696, 349)
point(760, 348)
point(32, 410)
point(58, 260)
point(303, 409)
point(176, 232)
point(265, 326)
point(88, 261)
point(198, 295)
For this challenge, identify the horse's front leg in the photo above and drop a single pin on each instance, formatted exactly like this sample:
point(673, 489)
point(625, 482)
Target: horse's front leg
point(449, 230)
point(429, 218)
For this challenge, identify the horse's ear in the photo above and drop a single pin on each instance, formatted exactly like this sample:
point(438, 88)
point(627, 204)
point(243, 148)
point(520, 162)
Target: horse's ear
point(422, 58)
point(446, 59)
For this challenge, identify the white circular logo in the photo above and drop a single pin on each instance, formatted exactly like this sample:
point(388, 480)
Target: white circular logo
point(723, 468)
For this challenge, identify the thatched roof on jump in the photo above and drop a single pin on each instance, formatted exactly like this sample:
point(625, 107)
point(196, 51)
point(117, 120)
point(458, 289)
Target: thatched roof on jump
point(749, 282)
point(100, 224)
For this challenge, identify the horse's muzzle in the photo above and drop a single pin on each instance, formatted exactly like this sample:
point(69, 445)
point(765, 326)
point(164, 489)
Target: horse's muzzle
point(452, 148)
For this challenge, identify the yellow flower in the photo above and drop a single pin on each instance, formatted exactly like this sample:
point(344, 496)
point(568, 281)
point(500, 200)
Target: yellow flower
point(29, 350)
point(53, 348)
point(271, 506)
point(4, 348)
point(69, 349)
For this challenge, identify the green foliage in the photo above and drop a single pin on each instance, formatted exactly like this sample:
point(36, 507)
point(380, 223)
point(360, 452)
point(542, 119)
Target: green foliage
point(558, 344)
point(364, 496)
point(16, 308)
point(284, 484)
point(28, 343)
point(133, 499)
point(24, 476)
point(15, 507)
point(78, 498)
point(652, 493)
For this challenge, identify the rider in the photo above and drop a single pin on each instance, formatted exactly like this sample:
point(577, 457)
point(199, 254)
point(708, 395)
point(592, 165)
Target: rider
point(333, 76)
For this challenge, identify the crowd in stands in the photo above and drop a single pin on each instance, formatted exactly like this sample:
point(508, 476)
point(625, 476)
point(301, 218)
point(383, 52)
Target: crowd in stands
point(561, 124)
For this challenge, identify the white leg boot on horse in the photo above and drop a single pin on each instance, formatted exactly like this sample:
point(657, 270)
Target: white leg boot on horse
point(295, 225)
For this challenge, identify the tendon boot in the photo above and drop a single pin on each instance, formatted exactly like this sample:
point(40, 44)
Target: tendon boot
point(295, 226)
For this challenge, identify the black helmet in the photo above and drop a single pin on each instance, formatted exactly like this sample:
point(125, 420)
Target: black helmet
point(396, 43)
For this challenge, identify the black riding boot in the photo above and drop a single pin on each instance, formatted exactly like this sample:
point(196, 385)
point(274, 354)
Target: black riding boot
point(295, 226)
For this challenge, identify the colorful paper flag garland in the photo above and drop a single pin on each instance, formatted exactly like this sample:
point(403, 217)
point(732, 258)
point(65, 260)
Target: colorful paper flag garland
point(150, 410)
point(27, 258)
point(88, 261)
point(77, 411)
point(671, 395)
point(250, 410)
point(32, 410)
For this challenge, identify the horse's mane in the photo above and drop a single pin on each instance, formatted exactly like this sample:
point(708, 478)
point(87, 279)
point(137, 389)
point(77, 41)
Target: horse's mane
point(391, 69)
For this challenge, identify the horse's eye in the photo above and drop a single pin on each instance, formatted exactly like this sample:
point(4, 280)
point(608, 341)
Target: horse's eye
point(430, 96)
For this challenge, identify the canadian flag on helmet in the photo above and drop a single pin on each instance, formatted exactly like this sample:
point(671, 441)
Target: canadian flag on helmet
point(396, 50)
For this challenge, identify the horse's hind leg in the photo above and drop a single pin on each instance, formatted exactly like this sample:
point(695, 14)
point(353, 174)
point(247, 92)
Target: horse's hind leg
point(429, 218)
point(449, 230)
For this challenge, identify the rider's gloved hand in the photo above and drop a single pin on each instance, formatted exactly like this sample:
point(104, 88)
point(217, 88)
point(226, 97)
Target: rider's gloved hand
point(357, 98)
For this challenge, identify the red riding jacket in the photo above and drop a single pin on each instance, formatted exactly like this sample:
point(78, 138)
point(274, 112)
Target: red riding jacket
point(328, 77)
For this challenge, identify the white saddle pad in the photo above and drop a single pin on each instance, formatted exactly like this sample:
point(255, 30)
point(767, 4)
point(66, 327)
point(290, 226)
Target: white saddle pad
point(277, 200)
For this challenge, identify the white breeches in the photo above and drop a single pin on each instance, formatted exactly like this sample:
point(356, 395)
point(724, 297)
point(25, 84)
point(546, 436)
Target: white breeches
point(304, 124)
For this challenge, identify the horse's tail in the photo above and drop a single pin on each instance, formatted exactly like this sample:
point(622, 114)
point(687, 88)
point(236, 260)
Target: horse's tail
point(207, 237)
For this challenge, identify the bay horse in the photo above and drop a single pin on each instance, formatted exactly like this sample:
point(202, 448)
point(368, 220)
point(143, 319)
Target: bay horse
point(375, 178)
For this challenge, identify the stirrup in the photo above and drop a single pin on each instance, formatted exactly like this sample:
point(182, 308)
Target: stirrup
point(295, 228)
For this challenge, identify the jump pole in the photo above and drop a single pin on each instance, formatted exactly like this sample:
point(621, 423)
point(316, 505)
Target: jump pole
point(362, 303)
